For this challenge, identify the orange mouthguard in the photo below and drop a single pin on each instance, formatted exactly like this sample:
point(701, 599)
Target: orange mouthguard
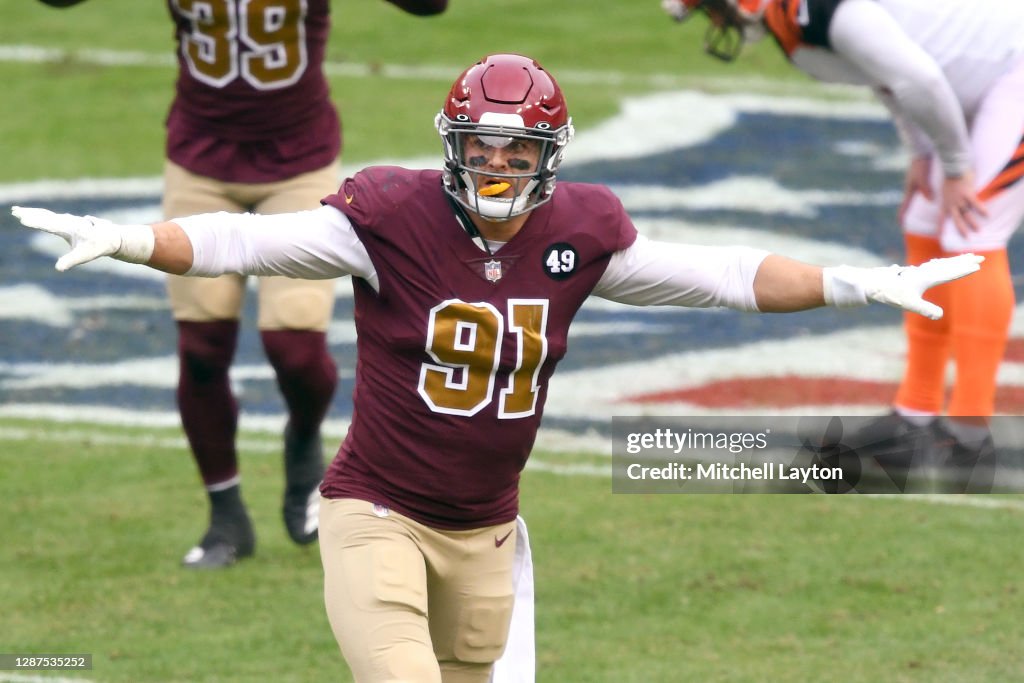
point(491, 190)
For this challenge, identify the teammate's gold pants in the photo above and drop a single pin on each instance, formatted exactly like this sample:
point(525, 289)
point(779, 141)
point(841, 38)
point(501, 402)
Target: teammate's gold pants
point(284, 303)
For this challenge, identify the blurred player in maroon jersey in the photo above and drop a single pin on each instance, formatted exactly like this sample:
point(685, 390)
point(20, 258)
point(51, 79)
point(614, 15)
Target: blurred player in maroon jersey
point(252, 128)
point(466, 281)
point(951, 73)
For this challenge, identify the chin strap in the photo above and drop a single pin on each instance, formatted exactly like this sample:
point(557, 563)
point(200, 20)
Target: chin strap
point(467, 224)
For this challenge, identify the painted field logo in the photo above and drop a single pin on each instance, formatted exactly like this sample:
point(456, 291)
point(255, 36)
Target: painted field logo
point(816, 181)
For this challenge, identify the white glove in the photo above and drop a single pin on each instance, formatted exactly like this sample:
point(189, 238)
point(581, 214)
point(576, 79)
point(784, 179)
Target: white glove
point(90, 237)
point(899, 286)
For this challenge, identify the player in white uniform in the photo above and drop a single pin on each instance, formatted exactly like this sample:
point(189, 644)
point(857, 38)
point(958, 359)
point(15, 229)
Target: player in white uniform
point(951, 73)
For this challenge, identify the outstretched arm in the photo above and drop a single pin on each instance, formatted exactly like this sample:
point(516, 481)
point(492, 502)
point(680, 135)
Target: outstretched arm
point(172, 249)
point(91, 238)
point(307, 244)
point(784, 285)
point(652, 273)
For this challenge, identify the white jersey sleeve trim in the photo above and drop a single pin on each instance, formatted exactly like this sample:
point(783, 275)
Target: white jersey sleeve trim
point(863, 32)
point(312, 245)
point(650, 273)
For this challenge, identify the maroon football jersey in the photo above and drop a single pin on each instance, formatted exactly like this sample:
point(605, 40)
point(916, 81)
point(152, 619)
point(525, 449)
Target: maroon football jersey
point(251, 102)
point(456, 349)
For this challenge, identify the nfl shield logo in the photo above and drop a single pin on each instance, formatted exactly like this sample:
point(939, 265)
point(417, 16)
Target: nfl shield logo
point(492, 271)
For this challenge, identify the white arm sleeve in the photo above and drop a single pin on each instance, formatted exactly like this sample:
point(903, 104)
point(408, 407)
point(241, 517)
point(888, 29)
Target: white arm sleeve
point(652, 273)
point(864, 33)
point(312, 245)
point(915, 139)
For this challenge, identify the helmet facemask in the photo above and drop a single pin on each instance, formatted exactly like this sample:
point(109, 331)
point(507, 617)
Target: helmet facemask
point(531, 159)
point(732, 23)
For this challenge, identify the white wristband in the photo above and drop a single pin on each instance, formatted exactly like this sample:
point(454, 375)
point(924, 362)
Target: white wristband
point(137, 243)
point(843, 286)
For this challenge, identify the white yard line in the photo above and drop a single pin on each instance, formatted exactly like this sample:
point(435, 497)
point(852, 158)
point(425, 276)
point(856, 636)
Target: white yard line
point(32, 678)
point(255, 425)
point(551, 440)
point(39, 54)
point(970, 501)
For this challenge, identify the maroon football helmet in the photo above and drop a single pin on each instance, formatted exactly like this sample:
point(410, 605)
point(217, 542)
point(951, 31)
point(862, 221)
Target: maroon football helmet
point(501, 100)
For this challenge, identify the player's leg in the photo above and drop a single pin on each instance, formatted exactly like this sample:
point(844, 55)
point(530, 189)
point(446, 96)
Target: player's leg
point(375, 591)
point(981, 306)
point(471, 596)
point(206, 311)
point(922, 389)
point(982, 311)
point(921, 393)
point(906, 439)
point(293, 319)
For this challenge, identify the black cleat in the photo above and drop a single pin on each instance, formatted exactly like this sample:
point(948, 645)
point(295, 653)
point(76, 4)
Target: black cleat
point(225, 543)
point(303, 470)
point(893, 455)
point(968, 469)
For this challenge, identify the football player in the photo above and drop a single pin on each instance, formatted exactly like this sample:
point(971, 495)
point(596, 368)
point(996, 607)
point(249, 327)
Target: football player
point(952, 75)
point(252, 128)
point(466, 281)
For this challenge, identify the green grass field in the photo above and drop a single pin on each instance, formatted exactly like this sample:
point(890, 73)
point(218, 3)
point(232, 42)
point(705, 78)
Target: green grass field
point(728, 588)
point(630, 588)
point(108, 121)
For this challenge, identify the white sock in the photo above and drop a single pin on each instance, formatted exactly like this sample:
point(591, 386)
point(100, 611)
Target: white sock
point(917, 418)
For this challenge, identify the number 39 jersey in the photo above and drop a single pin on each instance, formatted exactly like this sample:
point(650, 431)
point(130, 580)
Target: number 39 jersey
point(251, 104)
point(456, 346)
